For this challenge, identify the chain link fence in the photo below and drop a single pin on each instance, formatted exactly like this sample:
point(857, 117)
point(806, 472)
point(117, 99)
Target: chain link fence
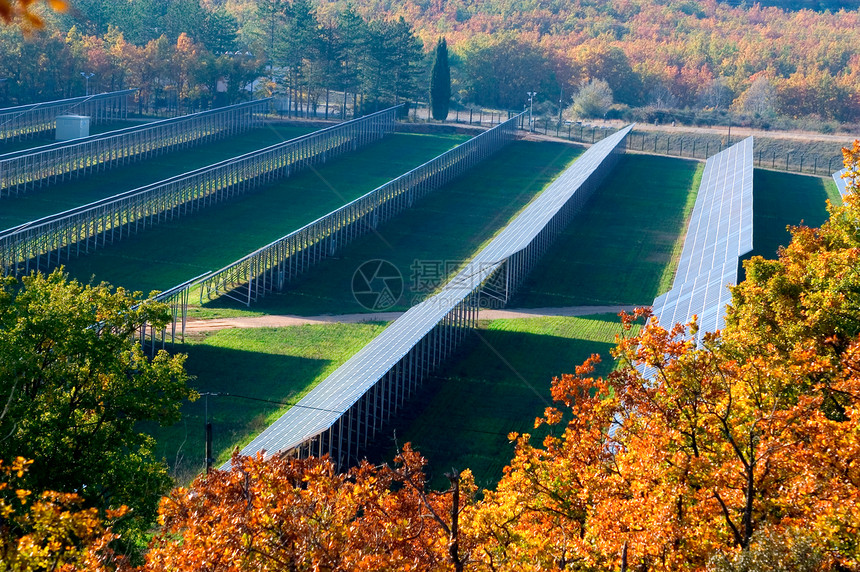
point(769, 154)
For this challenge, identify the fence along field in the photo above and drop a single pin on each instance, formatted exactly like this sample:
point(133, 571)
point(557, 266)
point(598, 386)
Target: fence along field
point(42, 244)
point(25, 170)
point(342, 414)
point(792, 155)
point(35, 119)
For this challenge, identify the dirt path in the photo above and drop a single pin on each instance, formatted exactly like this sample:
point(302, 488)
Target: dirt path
point(199, 326)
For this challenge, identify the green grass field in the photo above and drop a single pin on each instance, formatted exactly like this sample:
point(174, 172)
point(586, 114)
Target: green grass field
point(623, 246)
point(57, 198)
point(171, 253)
point(782, 199)
point(278, 365)
point(499, 384)
point(442, 230)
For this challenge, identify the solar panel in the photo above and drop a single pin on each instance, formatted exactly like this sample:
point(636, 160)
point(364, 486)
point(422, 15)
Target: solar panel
point(841, 183)
point(327, 402)
point(720, 227)
point(720, 232)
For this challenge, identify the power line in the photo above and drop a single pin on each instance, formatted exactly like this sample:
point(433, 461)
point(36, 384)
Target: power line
point(248, 397)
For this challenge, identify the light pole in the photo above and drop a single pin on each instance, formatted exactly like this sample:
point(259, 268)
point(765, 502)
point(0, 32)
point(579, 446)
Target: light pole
point(87, 77)
point(532, 95)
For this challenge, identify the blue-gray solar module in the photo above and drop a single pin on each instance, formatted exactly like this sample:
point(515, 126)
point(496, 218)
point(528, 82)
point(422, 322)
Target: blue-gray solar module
point(720, 227)
point(720, 232)
point(840, 182)
point(705, 296)
point(321, 408)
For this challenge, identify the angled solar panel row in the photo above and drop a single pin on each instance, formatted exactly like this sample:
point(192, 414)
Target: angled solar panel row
point(720, 227)
point(720, 232)
point(841, 183)
point(327, 403)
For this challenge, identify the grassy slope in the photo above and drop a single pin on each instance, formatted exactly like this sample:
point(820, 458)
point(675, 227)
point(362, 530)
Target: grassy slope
point(623, 247)
point(171, 253)
point(447, 227)
point(782, 199)
point(268, 364)
point(43, 202)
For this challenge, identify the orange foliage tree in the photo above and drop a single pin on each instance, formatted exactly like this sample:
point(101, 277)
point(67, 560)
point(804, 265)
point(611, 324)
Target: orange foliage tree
point(293, 514)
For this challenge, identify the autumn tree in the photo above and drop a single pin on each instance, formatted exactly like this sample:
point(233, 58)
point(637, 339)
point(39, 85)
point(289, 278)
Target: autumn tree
point(25, 11)
point(440, 82)
point(50, 530)
point(74, 388)
point(301, 514)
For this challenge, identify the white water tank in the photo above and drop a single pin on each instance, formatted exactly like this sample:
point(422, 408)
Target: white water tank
point(72, 127)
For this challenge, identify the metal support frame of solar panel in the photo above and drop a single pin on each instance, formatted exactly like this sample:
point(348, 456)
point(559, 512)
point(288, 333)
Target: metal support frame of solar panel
point(416, 343)
point(24, 121)
point(269, 268)
point(720, 232)
point(841, 183)
point(28, 169)
point(41, 244)
point(272, 266)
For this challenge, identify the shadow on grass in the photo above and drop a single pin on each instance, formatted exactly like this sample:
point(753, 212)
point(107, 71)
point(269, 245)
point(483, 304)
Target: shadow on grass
point(277, 378)
point(499, 383)
point(620, 249)
point(781, 200)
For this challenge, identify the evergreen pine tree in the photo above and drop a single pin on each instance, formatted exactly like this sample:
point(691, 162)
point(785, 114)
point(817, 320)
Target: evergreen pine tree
point(440, 82)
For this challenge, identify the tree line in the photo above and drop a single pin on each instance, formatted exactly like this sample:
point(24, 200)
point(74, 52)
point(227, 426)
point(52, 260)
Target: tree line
point(183, 55)
point(706, 62)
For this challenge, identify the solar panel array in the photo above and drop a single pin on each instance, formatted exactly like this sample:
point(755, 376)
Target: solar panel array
point(454, 307)
point(720, 232)
point(841, 183)
point(36, 118)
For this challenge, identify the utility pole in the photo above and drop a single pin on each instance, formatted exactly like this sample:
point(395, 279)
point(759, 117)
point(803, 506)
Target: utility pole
point(208, 427)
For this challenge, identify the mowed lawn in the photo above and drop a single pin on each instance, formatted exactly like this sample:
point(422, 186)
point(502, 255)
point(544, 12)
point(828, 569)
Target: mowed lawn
point(622, 248)
point(428, 242)
point(168, 254)
point(52, 199)
point(782, 199)
point(262, 369)
point(500, 383)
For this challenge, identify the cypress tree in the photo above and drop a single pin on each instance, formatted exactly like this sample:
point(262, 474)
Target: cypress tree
point(440, 82)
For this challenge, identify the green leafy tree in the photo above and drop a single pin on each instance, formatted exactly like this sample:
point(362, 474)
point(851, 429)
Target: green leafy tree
point(593, 99)
point(74, 388)
point(440, 82)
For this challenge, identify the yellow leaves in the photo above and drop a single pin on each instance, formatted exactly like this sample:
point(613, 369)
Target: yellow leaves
point(52, 531)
